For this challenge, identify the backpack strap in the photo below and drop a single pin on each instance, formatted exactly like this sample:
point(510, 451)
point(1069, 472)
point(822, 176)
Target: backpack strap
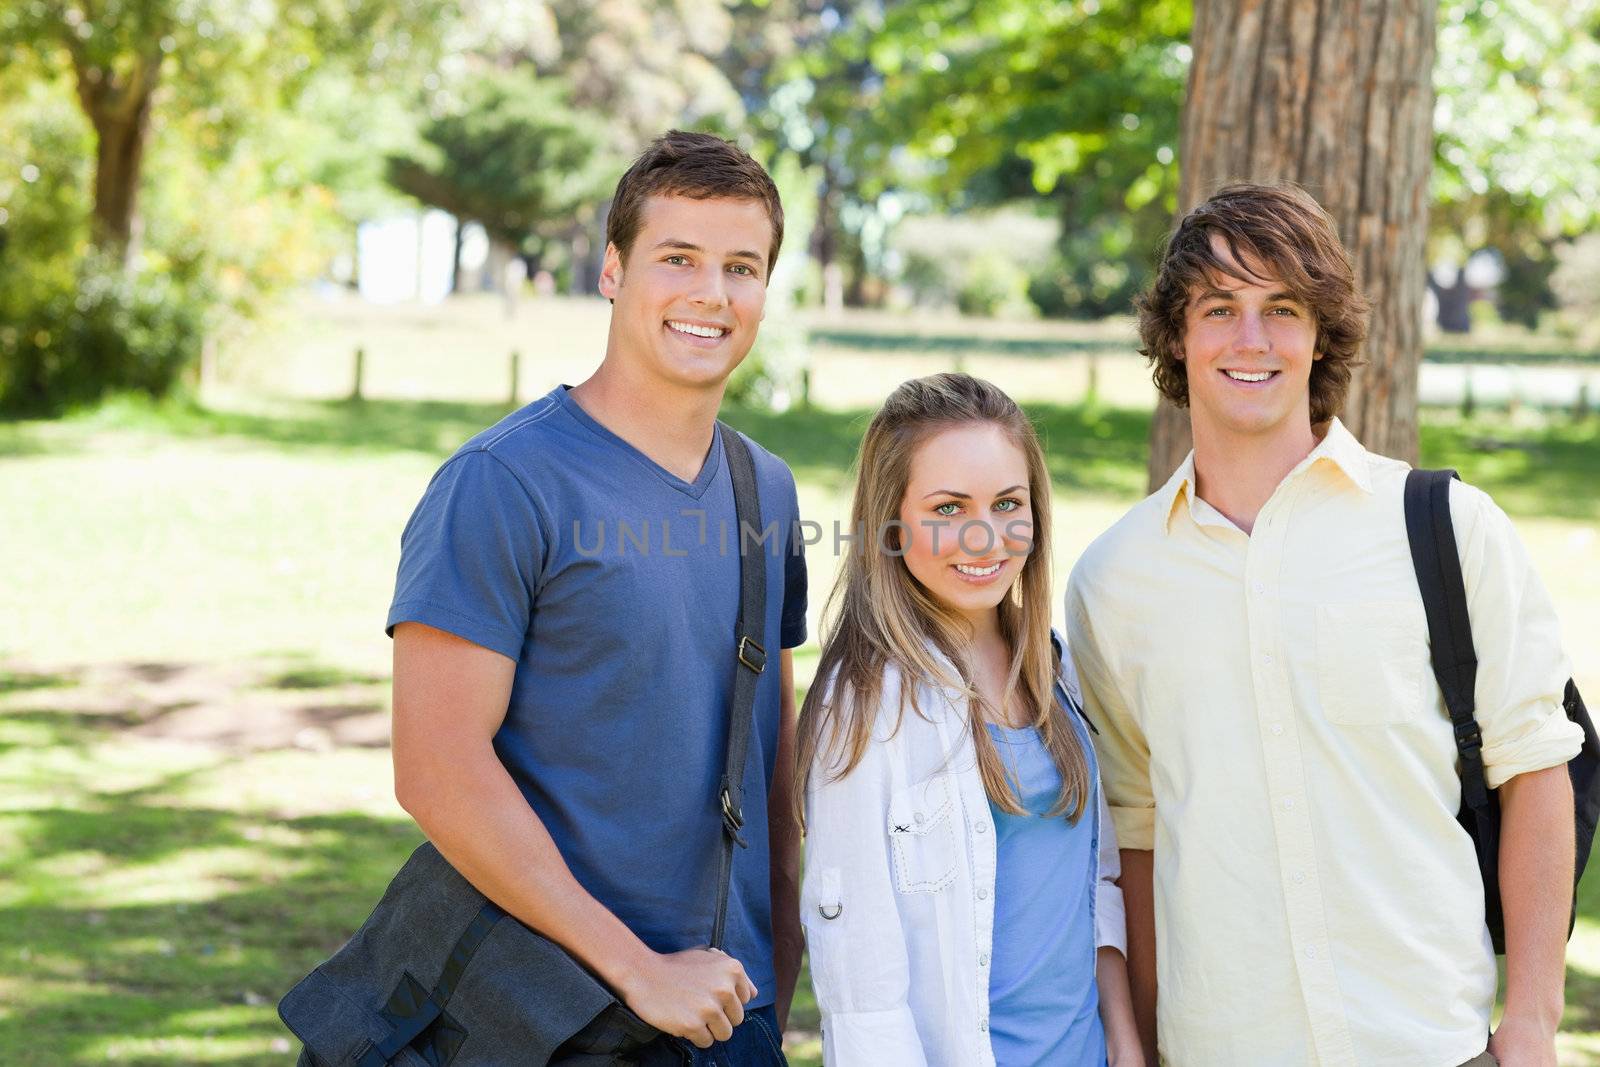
point(1437, 561)
point(750, 659)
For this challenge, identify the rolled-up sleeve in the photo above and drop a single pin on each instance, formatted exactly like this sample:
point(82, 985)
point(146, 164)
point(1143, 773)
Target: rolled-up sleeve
point(860, 969)
point(1121, 746)
point(1110, 916)
point(1522, 670)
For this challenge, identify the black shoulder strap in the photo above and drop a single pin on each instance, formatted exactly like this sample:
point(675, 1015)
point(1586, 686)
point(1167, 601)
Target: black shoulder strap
point(750, 659)
point(1437, 561)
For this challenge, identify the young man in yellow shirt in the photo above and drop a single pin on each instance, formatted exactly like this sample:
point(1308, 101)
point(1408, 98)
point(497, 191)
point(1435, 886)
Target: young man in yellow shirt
point(1279, 764)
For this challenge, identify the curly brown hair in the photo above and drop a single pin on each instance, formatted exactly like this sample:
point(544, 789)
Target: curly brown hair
point(1284, 232)
point(700, 166)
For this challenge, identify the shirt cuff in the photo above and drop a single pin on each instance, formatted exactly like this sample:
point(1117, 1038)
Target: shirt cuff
point(1136, 827)
point(1110, 919)
point(1553, 742)
point(872, 1039)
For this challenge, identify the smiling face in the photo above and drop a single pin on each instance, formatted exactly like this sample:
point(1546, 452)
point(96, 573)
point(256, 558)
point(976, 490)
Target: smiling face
point(968, 518)
point(1248, 348)
point(689, 295)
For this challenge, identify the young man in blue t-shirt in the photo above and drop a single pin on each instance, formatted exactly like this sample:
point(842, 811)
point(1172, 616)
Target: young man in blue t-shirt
point(563, 624)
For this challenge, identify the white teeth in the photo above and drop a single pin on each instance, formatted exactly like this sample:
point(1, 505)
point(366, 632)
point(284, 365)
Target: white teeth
point(978, 572)
point(698, 331)
point(1241, 376)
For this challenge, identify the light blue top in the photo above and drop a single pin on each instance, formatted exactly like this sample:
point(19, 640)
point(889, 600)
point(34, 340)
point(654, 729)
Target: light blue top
point(1044, 1007)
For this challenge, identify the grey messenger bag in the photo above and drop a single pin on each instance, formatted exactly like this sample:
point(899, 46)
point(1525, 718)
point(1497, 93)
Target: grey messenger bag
point(440, 976)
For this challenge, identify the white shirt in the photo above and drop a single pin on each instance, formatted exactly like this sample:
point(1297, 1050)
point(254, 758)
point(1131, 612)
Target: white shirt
point(898, 894)
point(1270, 725)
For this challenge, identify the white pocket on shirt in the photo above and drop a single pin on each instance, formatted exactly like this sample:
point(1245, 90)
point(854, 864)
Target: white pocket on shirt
point(923, 843)
point(1371, 658)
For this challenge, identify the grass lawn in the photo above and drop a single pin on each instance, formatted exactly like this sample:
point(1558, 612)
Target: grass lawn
point(194, 784)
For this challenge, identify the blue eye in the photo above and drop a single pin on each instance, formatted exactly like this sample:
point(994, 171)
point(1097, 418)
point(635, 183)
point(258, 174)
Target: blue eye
point(1008, 504)
point(676, 261)
point(949, 507)
point(740, 268)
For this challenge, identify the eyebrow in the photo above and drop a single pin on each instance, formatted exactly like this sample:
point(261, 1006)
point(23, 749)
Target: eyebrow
point(1213, 293)
point(690, 246)
point(968, 496)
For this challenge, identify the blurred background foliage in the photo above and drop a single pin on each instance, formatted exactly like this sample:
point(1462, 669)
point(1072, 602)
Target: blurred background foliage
point(169, 167)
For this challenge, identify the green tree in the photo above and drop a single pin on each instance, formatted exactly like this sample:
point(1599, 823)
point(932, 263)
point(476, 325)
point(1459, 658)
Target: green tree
point(1518, 134)
point(220, 57)
point(975, 102)
point(510, 154)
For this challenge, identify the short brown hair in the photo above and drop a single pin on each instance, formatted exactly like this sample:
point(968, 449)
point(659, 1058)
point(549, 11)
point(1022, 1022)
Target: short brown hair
point(700, 166)
point(1283, 229)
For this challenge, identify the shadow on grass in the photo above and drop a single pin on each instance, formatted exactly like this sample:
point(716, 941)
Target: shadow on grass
point(433, 427)
point(145, 930)
point(1549, 471)
point(162, 980)
point(1542, 470)
point(319, 676)
point(1089, 448)
point(24, 681)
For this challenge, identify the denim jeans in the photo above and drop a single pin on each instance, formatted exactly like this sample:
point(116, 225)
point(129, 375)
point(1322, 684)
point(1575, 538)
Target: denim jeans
point(755, 1042)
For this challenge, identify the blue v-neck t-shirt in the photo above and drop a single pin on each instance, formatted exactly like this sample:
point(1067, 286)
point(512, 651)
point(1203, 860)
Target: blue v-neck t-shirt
point(614, 585)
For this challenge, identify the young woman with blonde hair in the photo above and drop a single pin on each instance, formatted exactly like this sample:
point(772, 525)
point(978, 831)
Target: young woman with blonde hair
point(958, 898)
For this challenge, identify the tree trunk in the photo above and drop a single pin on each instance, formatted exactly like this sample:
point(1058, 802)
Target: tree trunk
point(118, 107)
point(455, 256)
point(1337, 96)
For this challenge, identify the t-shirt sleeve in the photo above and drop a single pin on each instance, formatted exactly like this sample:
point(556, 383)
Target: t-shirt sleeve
point(471, 556)
point(794, 582)
point(1522, 671)
point(1123, 752)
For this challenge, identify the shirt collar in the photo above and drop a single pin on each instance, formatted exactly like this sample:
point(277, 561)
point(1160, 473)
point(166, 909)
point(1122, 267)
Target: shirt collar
point(1338, 448)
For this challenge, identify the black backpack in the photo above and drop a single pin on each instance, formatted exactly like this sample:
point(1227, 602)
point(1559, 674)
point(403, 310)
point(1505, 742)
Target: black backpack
point(1455, 663)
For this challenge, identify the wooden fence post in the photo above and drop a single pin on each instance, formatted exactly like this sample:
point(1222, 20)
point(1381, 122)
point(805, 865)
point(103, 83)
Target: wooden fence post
point(356, 394)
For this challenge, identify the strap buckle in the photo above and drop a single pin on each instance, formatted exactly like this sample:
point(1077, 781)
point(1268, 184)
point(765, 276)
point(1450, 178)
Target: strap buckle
point(732, 817)
point(1468, 737)
point(752, 655)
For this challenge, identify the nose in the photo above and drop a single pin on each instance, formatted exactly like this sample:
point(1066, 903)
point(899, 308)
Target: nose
point(984, 535)
point(710, 288)
point(1252, 334)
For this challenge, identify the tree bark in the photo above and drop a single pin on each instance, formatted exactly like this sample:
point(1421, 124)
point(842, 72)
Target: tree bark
point(1337, 96)
point(118, 107)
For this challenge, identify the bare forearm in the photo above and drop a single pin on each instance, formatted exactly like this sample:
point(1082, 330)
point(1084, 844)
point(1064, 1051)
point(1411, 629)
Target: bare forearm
point(479, 820)
point(1536, 857)
point(1123, 1047)
point(1139, 899)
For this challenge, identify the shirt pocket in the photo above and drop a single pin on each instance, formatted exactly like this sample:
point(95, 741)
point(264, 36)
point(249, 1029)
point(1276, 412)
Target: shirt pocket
point(1371, 658)
point(922, 836)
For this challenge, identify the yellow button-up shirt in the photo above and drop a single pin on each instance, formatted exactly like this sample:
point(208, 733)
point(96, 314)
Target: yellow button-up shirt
point(1270, 726)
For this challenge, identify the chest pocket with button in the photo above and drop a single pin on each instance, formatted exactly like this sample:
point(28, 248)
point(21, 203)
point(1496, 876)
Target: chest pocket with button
point(923, 843)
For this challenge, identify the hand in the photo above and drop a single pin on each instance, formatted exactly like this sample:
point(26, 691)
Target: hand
point(1519, 1043)
point(698, 994)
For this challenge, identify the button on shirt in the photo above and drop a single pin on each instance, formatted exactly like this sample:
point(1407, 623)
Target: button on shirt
point(1270, 726)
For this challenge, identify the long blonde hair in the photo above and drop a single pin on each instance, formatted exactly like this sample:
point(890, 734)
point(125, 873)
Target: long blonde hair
point(879, 615)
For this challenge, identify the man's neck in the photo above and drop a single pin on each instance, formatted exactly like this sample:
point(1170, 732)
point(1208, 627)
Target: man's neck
point(1238, 473)
point(671, 425)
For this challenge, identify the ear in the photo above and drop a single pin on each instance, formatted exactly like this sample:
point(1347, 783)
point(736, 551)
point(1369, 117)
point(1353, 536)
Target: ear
point(611, 273)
